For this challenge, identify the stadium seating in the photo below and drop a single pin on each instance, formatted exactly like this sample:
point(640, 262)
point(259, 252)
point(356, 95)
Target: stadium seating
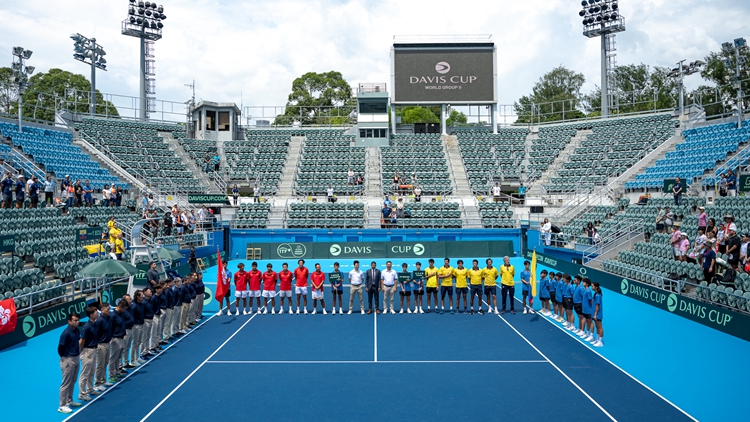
point(196, 148)
point(491, 158)
point(260, 159)
point(55, 152)
point(326, 215)
point(138, 146)
point(325, 161)
point(252, 216)
point(547, 146)
point(438, 214)
point(420, 154)
point(613, 146)
point(497, 215)
point(702, 149)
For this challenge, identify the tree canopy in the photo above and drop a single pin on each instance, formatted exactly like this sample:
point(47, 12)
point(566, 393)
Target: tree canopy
point(556, 93)
point(8, 90)
point(319, 98)
point(60, 85)
point(720, 99)
point(417, 114)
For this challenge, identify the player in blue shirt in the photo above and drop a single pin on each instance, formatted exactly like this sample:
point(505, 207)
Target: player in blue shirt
point(567, 289)
point(543, 289)
point(578, 305)
point(20, 191)
point(598, 315)
point(418, 280)
point(7, 187)
point(587, 309)
point(526, 288)
point(34, 192)
point(404, 287)
point(337, 287)
point(559, 294)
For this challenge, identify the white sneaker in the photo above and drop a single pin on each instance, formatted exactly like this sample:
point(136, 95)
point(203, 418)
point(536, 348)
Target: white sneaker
point(305, 311)
point(421, 311)
point(524, 311)
point(237, 313)
point(408, 310)
point(362, 312)
point(598, 343)
point(350, 312)
point(64, 409)
point(315, 311)
point(531, 311)
point(273, 311)
point(588, 338)
point(244, 312)
point(326, 313)
point(341, 311)
point(581, 334)
point(290, 311)
point(496, 311)
point(567, 327)
point(392, 311)
point(593, 340)
point(265, 311)
point(100, 388)
point(333, 311)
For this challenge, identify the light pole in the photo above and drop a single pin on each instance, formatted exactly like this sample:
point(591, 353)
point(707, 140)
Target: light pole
point(21, 74)
point(144, 22)
point(738, 61)
point(680, 72)
point(601, 18)
point(86, 50)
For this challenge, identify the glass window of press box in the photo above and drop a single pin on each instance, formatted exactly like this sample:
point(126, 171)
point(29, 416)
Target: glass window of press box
point(372, 133)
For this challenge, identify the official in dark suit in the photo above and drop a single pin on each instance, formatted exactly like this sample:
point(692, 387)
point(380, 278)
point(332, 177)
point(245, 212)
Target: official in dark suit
point(372, 284)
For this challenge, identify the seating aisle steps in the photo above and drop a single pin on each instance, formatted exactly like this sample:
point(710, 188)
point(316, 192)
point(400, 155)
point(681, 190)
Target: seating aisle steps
point(544, 179)
point(373, 187)
point(286, 184)
point(461, 186)
point(183, 155)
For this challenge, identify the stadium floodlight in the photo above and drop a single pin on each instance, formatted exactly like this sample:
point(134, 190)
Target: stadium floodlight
point(21, 74)
point(679, 74)
point(89, 52)
point(145, 22)
point(601, 18)
point(737, 61)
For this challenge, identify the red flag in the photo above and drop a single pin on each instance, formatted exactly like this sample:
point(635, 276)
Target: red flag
point(8, 317)
point(222, 287)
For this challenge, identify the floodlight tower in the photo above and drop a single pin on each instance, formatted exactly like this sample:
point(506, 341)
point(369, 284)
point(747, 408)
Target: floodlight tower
point(737, 61)
point(144, 22)
point(601, 18)
point(86, 50)
point(21, 74)
point(680, 72)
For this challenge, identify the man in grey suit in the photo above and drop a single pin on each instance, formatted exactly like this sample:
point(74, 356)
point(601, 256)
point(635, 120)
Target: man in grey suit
point(372, 284)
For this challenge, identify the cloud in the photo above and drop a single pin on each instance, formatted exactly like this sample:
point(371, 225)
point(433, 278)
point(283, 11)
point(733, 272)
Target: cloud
point(254, 50)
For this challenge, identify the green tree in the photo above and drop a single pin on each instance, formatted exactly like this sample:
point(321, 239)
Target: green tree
point(555, 96)
point(8, 90)
point(637, 88)
point(418, 114)
point(319, 98)
point(69, 90)
point(456, 118)
point(717, 72)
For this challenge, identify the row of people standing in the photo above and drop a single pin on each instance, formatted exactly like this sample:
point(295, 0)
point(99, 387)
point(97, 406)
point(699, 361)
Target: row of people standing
point(113, 341)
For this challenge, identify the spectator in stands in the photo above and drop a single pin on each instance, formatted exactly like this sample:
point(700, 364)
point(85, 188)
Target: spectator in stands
point(144, 205)
point(709, 261)
point(78, 192)
point(660, 217)
point(119, 247)
point(256, 193)
point(743, 251)
point(360, 183)
point(385, 216)
point(702, 219)
point(387, 201)
point(684, 246)
point(590, 232)
point(49, 190)
point(236, 195)
point(106, 194)
point(733, 246)
point(700, 241)
point(217, 162)
point(731, 183)
point(151, 202)
point(400, 208)
point(7, 188)
point(33, 190)
point(329, 194)
point(413, 180)
point(88, 194)
point(350, 177)
point(668, 219)
point(643, 199)
point(206, 163)
point(677, 191)
point(417, 194)
point(191, 221)
point(396, 180)
point(393, 217)
point(522, 193)
point(722, 184)
point(118, 196)
point(711, 228)
point(168, 224)
point(496, 191)
point(721, 245)
point(675, 241)
point(69, 350)
point(20, 191)
point(546, 231)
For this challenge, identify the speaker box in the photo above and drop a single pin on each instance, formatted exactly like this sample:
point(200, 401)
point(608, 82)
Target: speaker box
point(537, 210)
point(433, 128)
point(420, 128)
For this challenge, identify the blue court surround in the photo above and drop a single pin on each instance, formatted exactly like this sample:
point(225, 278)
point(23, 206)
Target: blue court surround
point(429, 367)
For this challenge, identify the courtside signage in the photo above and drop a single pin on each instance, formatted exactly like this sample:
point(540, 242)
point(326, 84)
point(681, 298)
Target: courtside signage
point(721, 319)
point(41, 322)
point(374, 250)
point(207, 199)
point(744, 183)
point(7, 243)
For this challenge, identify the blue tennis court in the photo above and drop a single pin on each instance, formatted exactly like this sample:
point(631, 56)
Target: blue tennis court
point(417, 367)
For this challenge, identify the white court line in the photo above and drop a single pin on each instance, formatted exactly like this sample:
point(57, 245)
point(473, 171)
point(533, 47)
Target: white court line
point(196, 369)
point(558, 369)
point(345, 362)
point(375, 314)
point(588, 346)
point(135, 370)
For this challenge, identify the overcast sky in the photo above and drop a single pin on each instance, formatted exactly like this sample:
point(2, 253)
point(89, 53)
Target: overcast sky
point(251, 51)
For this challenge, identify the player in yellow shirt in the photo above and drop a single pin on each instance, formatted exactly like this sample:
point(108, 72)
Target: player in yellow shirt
point(445, 275)
point(119, 247)
point(431, 273)
point(507, 272)
point(490, 286)
point(462, 289)
point(476, 275)
point(113, 232)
